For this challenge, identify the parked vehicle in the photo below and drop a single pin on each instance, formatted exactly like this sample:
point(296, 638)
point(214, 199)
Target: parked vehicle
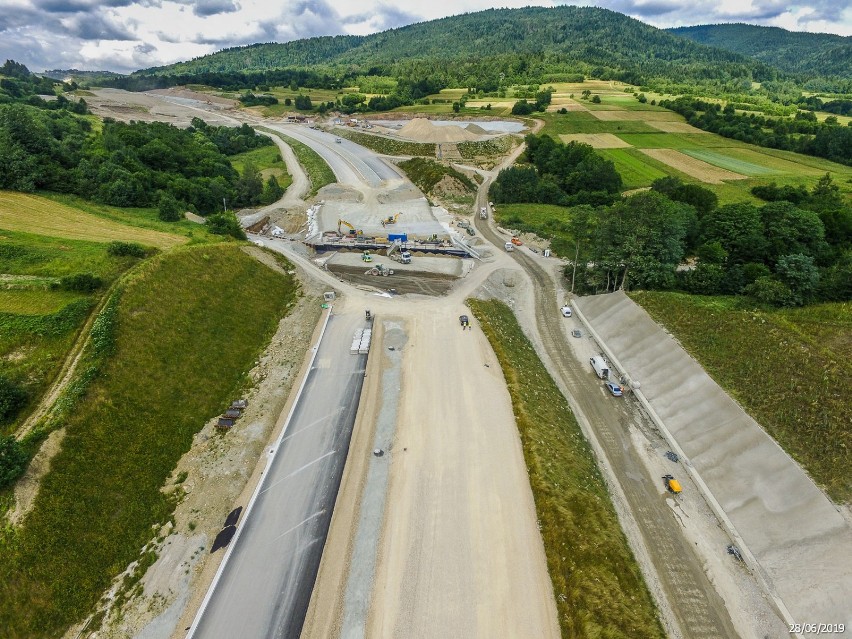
point(672, 484)
point(510, 247)
point(600, 366)
point(614, 389)
point(516, 241)
point(338, 140)
point(566, 311)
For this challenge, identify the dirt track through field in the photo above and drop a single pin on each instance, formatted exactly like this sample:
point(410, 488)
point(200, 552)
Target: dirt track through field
point(695, 168)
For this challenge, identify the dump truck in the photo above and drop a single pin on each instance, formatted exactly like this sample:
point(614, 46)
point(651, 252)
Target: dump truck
point(600, 366)
point(403, 257)
point(672, 484)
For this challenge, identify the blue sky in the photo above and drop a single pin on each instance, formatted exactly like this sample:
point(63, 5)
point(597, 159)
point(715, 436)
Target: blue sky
point(125, 35)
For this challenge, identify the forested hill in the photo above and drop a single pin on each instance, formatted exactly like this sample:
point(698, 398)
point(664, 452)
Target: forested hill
point(821, 54)
point(522, 44)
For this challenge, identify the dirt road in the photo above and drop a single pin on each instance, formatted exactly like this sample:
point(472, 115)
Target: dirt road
point(692, 601)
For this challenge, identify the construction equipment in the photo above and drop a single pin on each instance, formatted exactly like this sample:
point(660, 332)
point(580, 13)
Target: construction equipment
point(672, 484)
point(366, 257)
point(483, 213)
point(379, 269)
point(464, 321)
point(352, 230)
point(403, 257)
point(391, 219)
point(369, 315)
point(516, 241)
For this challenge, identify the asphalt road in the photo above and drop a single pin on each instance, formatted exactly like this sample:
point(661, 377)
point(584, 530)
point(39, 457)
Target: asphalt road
point(265, 587)
point(353, 165)
point(698, 608)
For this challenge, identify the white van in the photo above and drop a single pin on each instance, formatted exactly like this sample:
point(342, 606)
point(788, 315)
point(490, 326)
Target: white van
point(600, 366)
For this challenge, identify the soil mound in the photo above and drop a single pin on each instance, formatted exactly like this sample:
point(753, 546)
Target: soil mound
point(475, 128)
point(422, 130)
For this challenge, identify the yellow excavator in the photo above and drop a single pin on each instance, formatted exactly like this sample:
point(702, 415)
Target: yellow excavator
point(352, 230)
point(391, 219)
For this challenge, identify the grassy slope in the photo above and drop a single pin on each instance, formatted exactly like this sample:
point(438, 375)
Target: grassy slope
point(268, 161)
point(387, 146)
point(427, 173)
point(34, 214)
point(38, 325)
point(599, 589)
point(189, 326)
point(319, 172)
point(786, 368)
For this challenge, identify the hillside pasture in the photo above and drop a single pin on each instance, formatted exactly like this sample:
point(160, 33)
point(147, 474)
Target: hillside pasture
point(34, 214)
point(35, 301)
point(596, 140)
point(698, 169)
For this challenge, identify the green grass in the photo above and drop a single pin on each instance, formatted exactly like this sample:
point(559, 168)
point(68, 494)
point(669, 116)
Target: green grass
point(427, 173)
point(188, 327)
point(636, 168)
point(583, 122)
point(35, 301)
point(488, 149)
point(318, 170)
point(659, 140)
point(387, 146)
point(597, 583)
point(268, 161)
point(787, 368)
point(730, 163)
point(545, 220)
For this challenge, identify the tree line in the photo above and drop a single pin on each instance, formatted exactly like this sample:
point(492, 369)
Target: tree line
point(129, 165)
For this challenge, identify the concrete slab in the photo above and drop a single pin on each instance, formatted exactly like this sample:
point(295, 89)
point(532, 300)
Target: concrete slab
point(798, 536)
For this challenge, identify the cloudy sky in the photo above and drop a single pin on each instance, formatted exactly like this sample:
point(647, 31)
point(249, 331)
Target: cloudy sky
point(125, 35)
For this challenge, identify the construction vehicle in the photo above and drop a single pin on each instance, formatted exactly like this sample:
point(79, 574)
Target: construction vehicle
point(391, 219)
point(672, 484)
point(509, 247)
point(366, 257)
point(369, 316)
point(353, 232)
point(516, 241)
point(464, 321)
point(398, 255)
point(483, 213)
point(379, 269)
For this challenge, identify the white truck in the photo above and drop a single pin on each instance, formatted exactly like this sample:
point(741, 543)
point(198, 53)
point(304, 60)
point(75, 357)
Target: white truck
point(509, 247)
point(600, 366)
point(483, 213)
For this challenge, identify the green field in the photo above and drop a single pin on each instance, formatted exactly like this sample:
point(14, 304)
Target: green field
point(730, 163)
point(660, 140)
point(165, 369)
point(599, 589)
point(27, 213)
point(582, 122)
point(36, 301)
point(268, 161)
point(785, 367)
point(636, 169)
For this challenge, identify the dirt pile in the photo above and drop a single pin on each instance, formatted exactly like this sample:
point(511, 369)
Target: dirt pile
point(422, 130)
point(475, 128)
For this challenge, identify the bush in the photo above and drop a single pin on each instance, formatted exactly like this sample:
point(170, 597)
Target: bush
point(81, 282)
point(13, 461)
point(225, 224)
point(121, 249)
point(12, 398)
point(168, 208)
